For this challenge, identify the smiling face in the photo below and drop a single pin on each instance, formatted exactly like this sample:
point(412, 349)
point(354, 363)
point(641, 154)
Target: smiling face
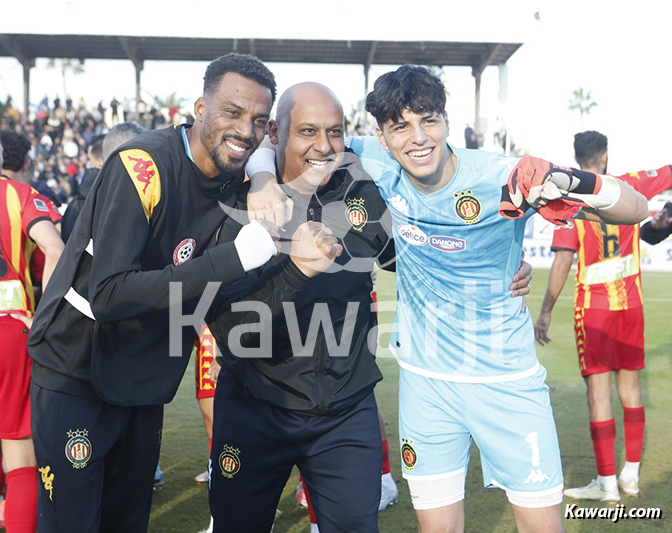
point(417, 141)
point(232, 124)
point(309, 134)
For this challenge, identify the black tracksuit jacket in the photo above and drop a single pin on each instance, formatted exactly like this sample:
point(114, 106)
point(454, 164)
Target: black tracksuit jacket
point(319, 382)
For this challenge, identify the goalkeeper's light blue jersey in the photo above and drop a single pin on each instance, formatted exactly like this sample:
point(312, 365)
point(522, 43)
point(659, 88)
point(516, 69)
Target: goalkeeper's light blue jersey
point(456, 257)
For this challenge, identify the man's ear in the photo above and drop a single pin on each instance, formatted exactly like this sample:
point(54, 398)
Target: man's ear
point(381, 138)
point(26, 165)
point(273, 131)
point(445, 117)
point(199, 108)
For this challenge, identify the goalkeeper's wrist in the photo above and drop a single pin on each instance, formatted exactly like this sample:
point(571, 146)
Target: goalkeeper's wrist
point(263, 160)
point(609, 191)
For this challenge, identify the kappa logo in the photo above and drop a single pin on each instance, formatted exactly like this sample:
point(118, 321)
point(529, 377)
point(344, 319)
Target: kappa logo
point(229, 461)
point(447, 244)
point(142, 172)
point(184, 251)
point(399, 203)
point(536, 476)
point(78, 448)
point(413, 235)
point(47, 480)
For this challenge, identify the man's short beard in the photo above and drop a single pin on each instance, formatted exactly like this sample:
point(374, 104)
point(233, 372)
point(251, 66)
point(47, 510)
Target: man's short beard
point(226, 170)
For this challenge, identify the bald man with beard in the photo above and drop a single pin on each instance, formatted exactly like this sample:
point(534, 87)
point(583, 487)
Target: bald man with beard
point(308, 400)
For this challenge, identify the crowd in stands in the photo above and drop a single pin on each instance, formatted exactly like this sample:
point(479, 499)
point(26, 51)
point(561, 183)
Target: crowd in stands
point(61, 132)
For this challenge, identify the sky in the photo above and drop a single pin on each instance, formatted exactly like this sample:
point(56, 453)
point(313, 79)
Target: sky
point(621, 55)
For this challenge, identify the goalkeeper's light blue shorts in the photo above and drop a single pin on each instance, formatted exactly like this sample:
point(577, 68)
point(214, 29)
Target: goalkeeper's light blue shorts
point(511, 423)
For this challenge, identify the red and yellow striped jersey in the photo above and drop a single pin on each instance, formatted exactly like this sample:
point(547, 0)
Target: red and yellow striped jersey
point(608, 271)
point(20, 208)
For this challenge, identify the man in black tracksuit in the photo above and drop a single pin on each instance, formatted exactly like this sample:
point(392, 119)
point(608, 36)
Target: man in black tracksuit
point(100, 340)
point(308, 400)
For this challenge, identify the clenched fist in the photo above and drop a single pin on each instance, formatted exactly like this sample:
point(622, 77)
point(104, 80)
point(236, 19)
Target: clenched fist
point(314, 248)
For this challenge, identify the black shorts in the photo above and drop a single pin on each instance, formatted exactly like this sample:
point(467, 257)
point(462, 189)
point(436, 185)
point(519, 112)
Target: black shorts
point(96, 463)
point(255, 446)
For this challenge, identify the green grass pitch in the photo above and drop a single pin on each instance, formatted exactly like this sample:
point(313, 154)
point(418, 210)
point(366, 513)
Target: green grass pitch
point(181, 506)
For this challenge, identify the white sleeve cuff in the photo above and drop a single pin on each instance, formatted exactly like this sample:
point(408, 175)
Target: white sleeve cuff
point(262, 160)
point(254, 245)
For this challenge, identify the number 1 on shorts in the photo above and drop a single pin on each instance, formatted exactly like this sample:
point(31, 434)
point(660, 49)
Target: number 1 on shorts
point(533, 440)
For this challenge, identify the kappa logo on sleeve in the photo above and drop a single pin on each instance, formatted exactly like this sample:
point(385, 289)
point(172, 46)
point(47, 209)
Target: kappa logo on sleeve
point(145, 176)
point(143, 171)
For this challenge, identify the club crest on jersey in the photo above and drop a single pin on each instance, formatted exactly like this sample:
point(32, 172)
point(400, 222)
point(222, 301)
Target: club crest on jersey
point(413, 235)
point(467, 207)
point(78, 448)
point(408, 455)
point(184, 251)
point(356, 213)
point(47, 480)
point(229, 461)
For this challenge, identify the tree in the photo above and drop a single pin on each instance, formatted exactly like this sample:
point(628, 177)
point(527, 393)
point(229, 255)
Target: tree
point(172, 101)
point(582, 101)
point(66, 65)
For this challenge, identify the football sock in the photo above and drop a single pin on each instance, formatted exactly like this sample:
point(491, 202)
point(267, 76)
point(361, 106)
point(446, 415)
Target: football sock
point(210, 446)
point(603, 435)
point(386, 457)
point(21, 506)
point(630, 470)
point(633, 427)
point(608, 483)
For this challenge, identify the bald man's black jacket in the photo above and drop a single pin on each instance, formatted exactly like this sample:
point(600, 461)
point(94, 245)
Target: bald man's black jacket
point(319, 381)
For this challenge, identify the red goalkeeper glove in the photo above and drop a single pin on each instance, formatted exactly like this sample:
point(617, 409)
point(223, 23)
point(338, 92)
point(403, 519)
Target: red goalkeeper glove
point(554, 191)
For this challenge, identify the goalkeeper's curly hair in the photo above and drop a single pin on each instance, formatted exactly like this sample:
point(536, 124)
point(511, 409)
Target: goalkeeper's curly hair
point(409, 87)
point(16, 148)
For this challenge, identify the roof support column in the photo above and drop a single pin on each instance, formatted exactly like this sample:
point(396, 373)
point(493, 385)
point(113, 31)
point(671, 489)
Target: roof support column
point(132, 53)
point(477, 101)
point(26, 86)
point(26, 60)
point(367, 66)
point(138, 70)
point(477, 72)
point(504, 105)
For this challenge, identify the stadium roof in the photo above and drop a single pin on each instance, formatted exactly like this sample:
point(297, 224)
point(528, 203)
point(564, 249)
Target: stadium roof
point(27, 47)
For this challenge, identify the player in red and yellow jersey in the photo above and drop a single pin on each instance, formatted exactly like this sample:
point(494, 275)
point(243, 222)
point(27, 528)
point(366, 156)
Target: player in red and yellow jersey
point(608, 321)
point(207, 372)
point(25, 223)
